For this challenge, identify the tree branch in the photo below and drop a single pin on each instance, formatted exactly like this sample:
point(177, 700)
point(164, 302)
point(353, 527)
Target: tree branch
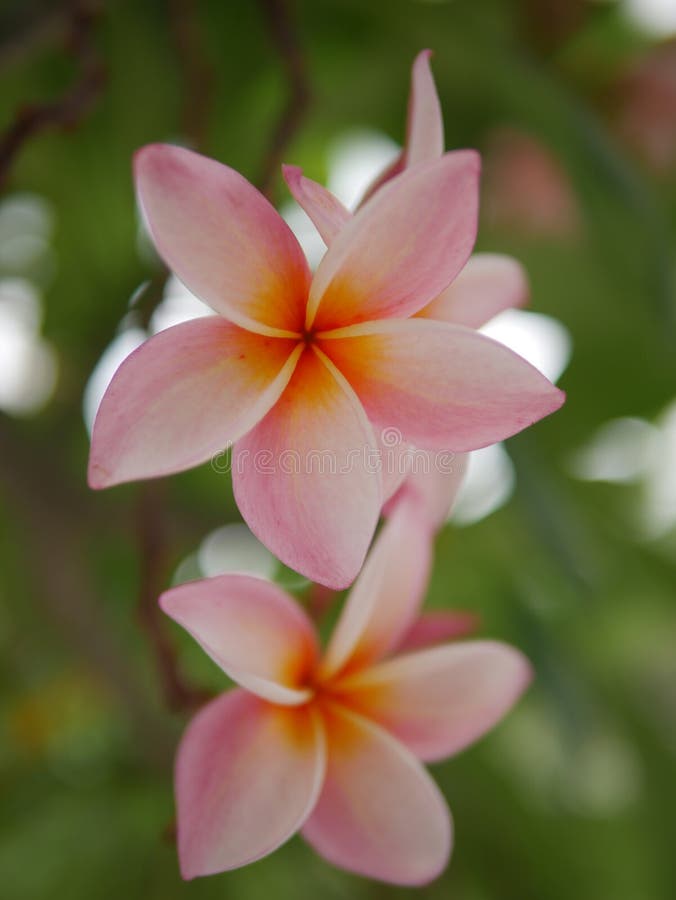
point(74, 105)
point(284, 36)
point(198, 75)
point(152, 544)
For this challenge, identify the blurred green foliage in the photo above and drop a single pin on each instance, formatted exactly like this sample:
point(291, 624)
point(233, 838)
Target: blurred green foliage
point(573, 797)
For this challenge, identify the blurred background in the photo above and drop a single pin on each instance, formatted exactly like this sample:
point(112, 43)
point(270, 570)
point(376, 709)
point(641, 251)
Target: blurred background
point(564, 539)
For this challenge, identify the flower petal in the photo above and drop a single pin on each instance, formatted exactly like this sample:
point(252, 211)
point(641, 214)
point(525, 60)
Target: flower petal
point(436, 627)
point(222, 238)
point(379, 813)
point(443, 386)
point(252, 629)
point(386, 597)
point(402, 248)
point(306, 478)
point(183, 396)
point(433, 483)
point(395, 461)
point(489, 283)
point(247, 776)
point(434, 480)
point(326, 211)
point(425, 127)
point(438, 701)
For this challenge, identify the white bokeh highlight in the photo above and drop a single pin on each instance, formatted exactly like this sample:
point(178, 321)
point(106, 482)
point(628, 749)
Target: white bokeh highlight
point(621, 451)
point(655, 17)
point(489, 482)
point(542, 340)
point(233, 548)
point(635, 451)
point(28, 363)
point(355, 160)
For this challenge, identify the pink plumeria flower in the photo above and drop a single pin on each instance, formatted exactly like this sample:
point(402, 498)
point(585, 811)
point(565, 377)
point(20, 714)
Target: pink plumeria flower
point(332, 743)
point(488, 284)
point(299, 373)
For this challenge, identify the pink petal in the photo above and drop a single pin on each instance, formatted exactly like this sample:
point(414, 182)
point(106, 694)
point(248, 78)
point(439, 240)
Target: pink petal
point(440, 700)
point(425, 128)
point(379, 813)
point(443, 386)
point(183, 396)
point(386, 597)
point(395, 461)
point(433, 482)
point(437, 627)
point(222, 238)
point(402, 248)
point(326, 211)
point(489, 283)
point(306, 478)
point(247, 776)
point(252, 629)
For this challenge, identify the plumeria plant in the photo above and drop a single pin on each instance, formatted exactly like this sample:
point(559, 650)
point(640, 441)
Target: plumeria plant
point(321, 369)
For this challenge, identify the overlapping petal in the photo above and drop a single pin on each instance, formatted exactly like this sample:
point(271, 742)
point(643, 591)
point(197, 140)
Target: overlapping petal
point(489, 284)
point(306, 478)
point(434, 479)
point(395, 461)
point(252, 629)
point(402, 248)
point(326, 211)
point(386, 596)
point(248, 774)
point(379, 813)
point(222, 238)
point(436, 627)
point(425, 125)
point(443, 386)
point(183, 396)
point(438, 701)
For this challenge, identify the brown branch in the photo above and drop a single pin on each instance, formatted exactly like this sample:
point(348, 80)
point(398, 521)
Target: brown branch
point(198, 75)
point(74, 105)
point(150, 516)
point(41, 27)
point(283, 33)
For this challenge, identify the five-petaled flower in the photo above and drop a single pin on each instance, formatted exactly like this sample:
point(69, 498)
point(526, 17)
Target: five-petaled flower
point(332, 743)
point(312, 365)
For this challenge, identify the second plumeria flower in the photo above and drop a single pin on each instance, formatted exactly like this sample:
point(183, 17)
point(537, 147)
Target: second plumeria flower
point(299, 373)
point(332, 743)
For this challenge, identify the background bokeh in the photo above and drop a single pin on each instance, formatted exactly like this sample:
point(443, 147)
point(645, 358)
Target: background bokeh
point(564, 541)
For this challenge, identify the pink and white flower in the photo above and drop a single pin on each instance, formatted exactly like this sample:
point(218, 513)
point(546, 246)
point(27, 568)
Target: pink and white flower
point(332, 743)
point(488, 284)
point(299, 373)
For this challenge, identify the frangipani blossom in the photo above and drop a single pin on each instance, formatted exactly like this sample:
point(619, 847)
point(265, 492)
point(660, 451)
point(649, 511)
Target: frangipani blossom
point(332, 743)
point(488, 284)
point(300, 373)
